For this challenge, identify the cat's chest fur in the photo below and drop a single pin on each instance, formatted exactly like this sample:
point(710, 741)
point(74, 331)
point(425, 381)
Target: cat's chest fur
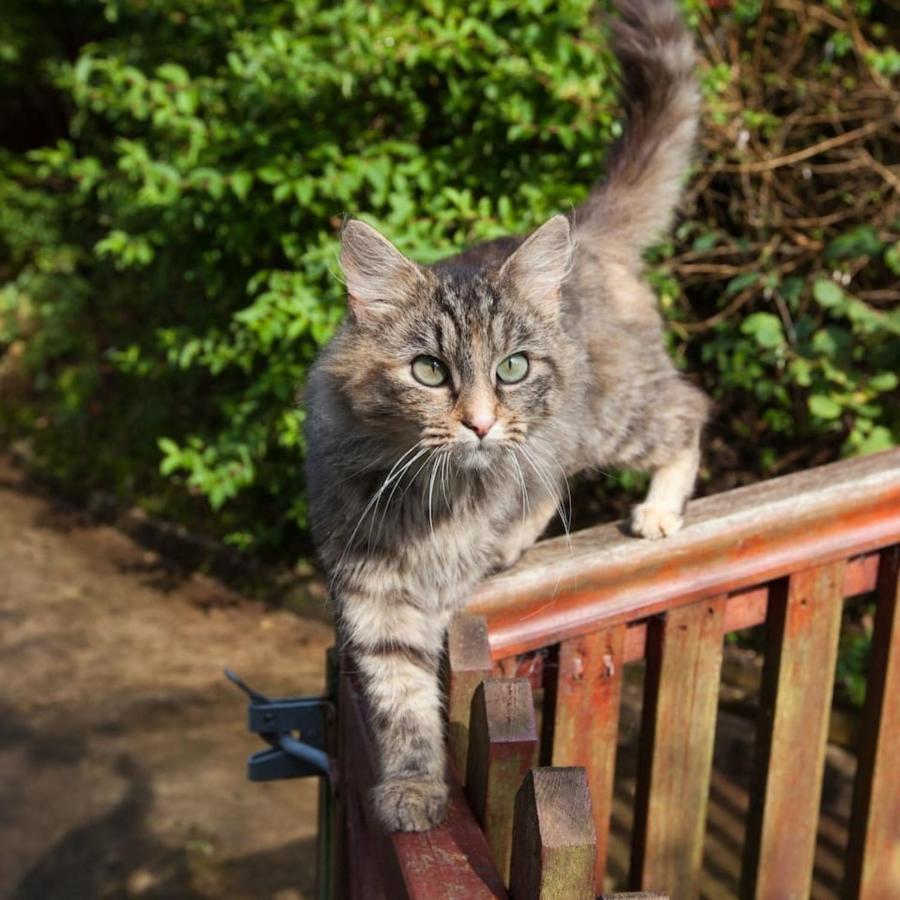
point(432, 548)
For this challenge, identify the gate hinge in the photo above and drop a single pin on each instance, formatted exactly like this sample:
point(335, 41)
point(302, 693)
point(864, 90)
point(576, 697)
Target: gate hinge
point(295, 727)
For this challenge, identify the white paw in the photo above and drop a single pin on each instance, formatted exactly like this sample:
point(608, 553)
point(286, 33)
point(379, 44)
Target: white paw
point(654, 522)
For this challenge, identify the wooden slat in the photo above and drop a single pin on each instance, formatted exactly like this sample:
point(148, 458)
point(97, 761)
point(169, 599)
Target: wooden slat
point(731, 541)
point(502, 748)
point(684, 661)
point(747, 608)
point(795, 702)
point(468, 663)
point(586, 720)
point(455, 855)
point(873, 860)
point(634, 895)
point(553, 841)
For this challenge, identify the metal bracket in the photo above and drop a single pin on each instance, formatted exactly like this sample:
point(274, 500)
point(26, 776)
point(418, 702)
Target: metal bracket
point(296, 728)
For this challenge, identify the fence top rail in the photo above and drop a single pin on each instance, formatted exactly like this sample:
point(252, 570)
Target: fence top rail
point(602, 576)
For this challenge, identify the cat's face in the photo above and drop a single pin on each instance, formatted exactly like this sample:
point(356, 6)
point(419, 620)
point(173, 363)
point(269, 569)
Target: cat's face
point(461, 361)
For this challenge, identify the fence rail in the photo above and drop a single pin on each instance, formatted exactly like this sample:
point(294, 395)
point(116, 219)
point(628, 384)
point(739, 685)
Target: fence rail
point(570, 615)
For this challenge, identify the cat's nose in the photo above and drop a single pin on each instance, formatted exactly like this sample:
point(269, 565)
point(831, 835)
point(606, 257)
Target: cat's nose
point(481, 423)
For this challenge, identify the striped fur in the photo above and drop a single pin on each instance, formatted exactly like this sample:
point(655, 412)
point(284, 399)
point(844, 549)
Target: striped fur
point(409, 507)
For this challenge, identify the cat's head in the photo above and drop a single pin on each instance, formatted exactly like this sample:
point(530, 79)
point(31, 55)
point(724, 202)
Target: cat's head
point(467, 358)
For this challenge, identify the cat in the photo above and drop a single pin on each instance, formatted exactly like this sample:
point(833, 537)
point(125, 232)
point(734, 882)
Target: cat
point(450, 407)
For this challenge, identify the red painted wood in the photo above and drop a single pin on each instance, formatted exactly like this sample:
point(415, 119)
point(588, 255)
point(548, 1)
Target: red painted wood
point(743, 609)
point(586, 721)
point(681, 693)
point(795, 705)
point(873, 859)
point(731, 542)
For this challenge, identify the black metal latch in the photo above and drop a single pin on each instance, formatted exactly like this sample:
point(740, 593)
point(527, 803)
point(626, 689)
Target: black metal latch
point(295, 727)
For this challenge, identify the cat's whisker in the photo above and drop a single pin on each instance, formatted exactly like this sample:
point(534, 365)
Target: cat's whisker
point(547, 481)
point(565, 481)
point(522, 485)
point(397, 484)
point(434, 470)
point(445, 471)
point(375, 498)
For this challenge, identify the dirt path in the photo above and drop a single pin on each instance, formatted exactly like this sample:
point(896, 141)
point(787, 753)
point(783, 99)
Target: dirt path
point(122, 748)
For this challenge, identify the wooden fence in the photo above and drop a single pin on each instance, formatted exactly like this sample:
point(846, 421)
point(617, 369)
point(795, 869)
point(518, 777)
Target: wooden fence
point(567, 620)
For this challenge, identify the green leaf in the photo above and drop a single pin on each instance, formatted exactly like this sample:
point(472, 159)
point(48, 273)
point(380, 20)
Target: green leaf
point(740, 282)
point(860, 241)
point(828, 293)
point(883, 381)
point(824, 407)
point(878, 439)
point(892, 258)
point(241, 182)
point(765, 328)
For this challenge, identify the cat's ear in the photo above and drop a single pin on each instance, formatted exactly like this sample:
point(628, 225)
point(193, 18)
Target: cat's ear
point(539, 267)
point(379, 277)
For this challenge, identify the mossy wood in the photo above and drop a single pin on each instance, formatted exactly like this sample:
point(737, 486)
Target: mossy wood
point(795, 703)
point(468, 663)
point(554, 843)
point(585, 719)
point(502, 748)
point(681, 693)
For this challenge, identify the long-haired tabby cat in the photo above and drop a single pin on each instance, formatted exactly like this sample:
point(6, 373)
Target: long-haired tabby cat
point(450, 407)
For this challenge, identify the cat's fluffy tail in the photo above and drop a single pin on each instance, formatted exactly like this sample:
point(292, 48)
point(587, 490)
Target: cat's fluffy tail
point(634, 205)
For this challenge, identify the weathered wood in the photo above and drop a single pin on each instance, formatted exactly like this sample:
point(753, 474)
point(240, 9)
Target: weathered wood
point(795, 702)
point(634, 895)
point(502, 748)
point(873, 859)
point(468, 663)
point(731, 541)
point(586, 720)
point(359, 871)
point(328, 833)
point(553, 839)
point(455, 855)
point(747, 608)
point(684, 662)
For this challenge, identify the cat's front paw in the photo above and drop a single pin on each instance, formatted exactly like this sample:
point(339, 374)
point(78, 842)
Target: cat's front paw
point(410, 804)
point(505, 559)
point(649, 521)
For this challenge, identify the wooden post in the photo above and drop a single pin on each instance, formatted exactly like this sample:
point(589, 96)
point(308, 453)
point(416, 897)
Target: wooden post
point(468, 664)
point(586, 720)
point(502, 746)
point(554, 844)
point(684, 661)
point(329, 833)
point(803, 628)
point(873, 859)
point(452, 859)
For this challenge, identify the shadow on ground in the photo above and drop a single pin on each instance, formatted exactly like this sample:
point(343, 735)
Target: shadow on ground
point(122, 748)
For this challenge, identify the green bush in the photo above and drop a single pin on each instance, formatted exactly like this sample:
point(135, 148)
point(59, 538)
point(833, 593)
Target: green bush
point(170, 267)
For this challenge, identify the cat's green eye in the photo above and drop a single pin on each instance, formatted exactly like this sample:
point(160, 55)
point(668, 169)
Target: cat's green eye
point(429, 371)
point(513, 369)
